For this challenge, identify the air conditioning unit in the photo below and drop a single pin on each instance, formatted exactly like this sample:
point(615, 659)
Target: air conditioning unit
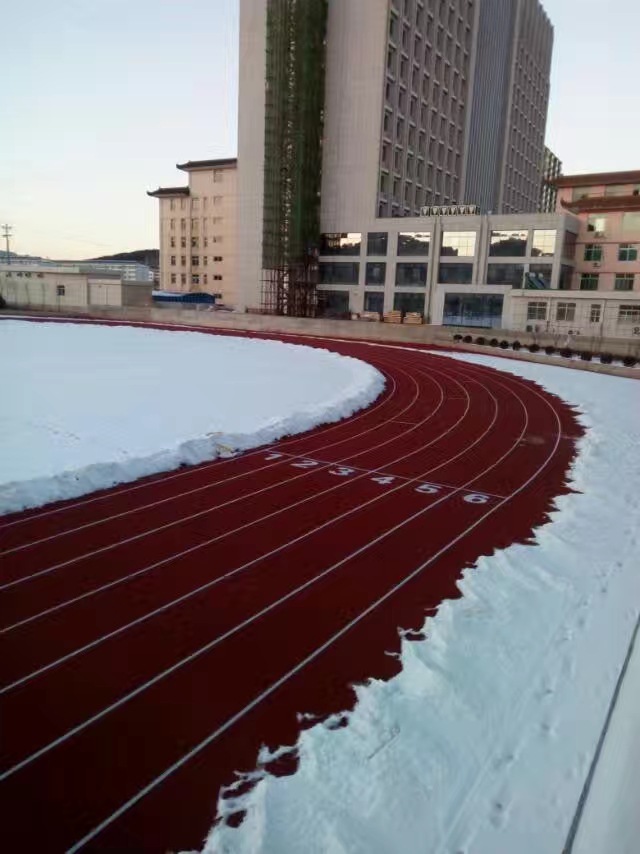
point(636, 330)
point(596, 263)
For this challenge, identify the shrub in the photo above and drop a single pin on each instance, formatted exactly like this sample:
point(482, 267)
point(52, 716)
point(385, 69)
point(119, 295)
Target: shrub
point(629, 361)
point(606, 358)
point(516, 345)
point(493, 342)
point(481, 339)
point(567, 352)
point(504, 345)
point(586, 355)
point(3, 302)
point(467, 339)
point(550, 350)
point(533, 348)
point(457, 337)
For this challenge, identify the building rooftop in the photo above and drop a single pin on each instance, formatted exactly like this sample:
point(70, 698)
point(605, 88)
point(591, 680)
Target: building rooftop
point(593, 179)
point(224, 163)
point(168, 191)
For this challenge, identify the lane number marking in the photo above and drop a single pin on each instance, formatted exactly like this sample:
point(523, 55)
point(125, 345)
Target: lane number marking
point(305, 464)
point(385, 480)
point(273, 457)
point(428, 489)
point(341, 471)
point(476, 498)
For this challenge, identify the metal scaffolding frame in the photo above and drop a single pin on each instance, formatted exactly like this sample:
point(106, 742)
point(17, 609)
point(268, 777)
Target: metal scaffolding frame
point(294, 113)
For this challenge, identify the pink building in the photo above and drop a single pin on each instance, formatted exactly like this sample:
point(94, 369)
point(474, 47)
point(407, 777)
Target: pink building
point(607, 256)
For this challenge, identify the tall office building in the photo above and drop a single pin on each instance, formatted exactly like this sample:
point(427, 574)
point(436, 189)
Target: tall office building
point(350, 109)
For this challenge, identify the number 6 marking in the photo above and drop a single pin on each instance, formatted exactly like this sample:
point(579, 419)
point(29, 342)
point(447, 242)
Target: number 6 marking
point(342, 471)
point(428, 489)
point(476, 498)
point(305, 464)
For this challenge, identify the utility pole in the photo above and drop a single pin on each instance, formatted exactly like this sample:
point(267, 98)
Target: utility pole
point(6, 233)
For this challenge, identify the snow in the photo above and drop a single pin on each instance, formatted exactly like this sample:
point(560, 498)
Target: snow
point(482, 744)
point(87, 406)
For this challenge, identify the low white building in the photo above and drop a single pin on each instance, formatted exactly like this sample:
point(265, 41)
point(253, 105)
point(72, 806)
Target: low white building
point(29, 286)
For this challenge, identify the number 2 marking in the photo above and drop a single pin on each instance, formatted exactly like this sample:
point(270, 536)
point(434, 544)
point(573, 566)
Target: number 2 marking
point(273, 456)
point(305, 464)
point(341, 471)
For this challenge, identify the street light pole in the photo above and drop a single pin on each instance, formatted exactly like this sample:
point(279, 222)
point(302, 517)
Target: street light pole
point(6, 233)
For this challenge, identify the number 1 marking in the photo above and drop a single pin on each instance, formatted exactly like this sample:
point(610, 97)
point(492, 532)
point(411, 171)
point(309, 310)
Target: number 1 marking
point(273, 456)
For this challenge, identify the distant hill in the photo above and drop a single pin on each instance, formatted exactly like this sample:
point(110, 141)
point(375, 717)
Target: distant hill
point(150, 257)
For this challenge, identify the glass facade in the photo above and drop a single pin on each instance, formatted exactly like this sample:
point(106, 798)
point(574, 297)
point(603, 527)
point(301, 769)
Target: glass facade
point(408, 302)
point(333, 304)
point(544, 243)
point(374, 301)
point(338, 273)
point(541, 274)
point(375, 272)
point(413, 242)
point(473, 310)
point(377, 243)
point(455, 274)
point(460, 243)
point(505, 274)
point(411, 275)
point(509, 244)
point(346, 243)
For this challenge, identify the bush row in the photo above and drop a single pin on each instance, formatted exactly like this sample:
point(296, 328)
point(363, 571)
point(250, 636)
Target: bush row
point(565, 352)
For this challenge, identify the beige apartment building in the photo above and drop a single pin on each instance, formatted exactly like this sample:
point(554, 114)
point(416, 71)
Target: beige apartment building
point(30, 286)
point(198, 230)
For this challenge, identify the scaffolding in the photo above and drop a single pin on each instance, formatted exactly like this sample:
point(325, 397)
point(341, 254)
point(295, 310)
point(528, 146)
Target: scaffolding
point(294, 108)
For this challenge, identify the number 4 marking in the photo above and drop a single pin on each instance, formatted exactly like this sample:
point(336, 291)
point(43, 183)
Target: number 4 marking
point(383, 481)
point(273, 456)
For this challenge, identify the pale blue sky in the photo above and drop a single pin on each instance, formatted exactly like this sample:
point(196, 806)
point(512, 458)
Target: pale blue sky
point(100, 98)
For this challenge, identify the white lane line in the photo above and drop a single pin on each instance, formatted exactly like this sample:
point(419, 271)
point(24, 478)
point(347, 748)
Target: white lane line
point(150, 531)
point(198, 748)
point(162, 478)
point(61, 739)
point(191, 471)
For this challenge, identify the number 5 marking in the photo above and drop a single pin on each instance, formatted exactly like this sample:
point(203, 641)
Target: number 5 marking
point(476, 498)
point(305, 464)
point(342, 471)
point(428, 489)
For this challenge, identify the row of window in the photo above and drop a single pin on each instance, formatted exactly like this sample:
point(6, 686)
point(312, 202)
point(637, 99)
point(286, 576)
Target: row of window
point(195, 202)
point(19, 275)
point(566, 311)
point(626, 252)
point(511, 244)
point(195, 241)
point(415, 274)
point(195, 221)
point(196, 279)
point(622, 281)
point(599, 224)
point(195, 260)
point(609, 190)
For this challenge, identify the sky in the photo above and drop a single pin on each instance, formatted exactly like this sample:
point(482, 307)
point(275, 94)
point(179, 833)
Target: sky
point(101, 98)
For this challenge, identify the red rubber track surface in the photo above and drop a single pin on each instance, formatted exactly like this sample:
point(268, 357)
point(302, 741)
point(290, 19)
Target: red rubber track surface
point(156, 635)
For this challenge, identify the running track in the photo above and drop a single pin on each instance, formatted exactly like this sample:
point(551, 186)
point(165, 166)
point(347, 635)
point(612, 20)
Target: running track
point(157, 634)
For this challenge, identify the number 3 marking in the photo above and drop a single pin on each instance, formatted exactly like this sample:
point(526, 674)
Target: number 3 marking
point(342, 471)
point(476, 498)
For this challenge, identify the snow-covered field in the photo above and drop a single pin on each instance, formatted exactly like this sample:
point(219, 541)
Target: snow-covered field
point(483, 743)
point(86, 406)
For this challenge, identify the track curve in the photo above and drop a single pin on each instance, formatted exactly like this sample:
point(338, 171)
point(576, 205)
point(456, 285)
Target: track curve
point(156, 635)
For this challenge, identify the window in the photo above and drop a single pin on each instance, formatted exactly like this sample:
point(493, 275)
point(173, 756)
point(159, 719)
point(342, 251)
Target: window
point(631, 222)
point(618, 190)
point(339, 273)
point(456, 274)
point(183, 260)
point(183, 278)
point(629, 314)
point(589, 282)
point(411, 275)
point(216, 200)
point(594, 313)
point(408, 302)
point(593, 252)
point(195, 279)
point(217, 176)
point(195, 260)
point(413, 243)
point(205, 242)
point(374, 301)
point(217, 278)
point(581, 193)
point(183, 225)
point(461, 243)
point(173, 260)
point(566, 311)
point(377, 243)
point(183, 243)
point(194, 242)
point(173, 278)
point(473, 310)
point(204, 279)
point(183, 204)
point(623, 282)
point(346, 243)
point(508, 243)
point(540, 274)
point(205, 260)
point(597, 225)
point(195, 205)
point(333, 303)
point(172, 243)
point(217, 257)
point(172, 204)
point(569, 245)
point(505, 274)
point(375, 273)
point(172, 225)
point(60, 290)
point(536, 311)
point(627, 252)
point(544, 242)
